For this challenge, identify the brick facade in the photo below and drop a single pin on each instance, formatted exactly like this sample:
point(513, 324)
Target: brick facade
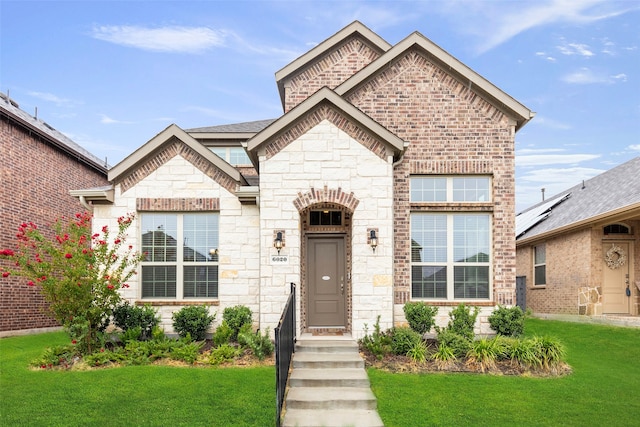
point(36, 180)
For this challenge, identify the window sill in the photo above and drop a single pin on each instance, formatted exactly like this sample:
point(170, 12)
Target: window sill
point(538, 287)
point(158, 303)
point(455, 303)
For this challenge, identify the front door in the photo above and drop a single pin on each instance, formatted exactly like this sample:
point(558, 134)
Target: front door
point(615, 280)
point(326, 282)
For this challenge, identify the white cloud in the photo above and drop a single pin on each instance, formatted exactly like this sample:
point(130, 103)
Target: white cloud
point(49, 97)
point(553, 159)
point(579, 49)
point(501, 26)
point(163, 39)
point(106, 120)
point(620, 77)
point(634, 147)
point(587, 76)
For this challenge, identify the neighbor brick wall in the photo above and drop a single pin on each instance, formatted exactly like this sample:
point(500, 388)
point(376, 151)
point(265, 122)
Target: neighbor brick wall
point(451, 130)
point(36, 179)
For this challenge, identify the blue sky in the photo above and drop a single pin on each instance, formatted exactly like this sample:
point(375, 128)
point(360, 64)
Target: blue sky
point(113, 74)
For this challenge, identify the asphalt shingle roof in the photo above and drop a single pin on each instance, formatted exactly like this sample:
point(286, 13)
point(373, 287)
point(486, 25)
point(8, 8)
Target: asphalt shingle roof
point(609, 191)
point(246, 127)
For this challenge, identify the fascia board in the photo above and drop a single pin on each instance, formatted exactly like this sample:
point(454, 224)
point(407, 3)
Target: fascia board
point(498, 97)
point(222, 135)
point(325, 94)
point(94, 194)
point(170, 132)
point(323, 47)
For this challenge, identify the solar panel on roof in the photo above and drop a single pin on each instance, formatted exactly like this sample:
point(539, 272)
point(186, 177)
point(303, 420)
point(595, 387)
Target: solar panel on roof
point(528, 219)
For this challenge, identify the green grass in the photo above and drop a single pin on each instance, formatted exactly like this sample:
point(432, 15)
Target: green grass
point(129, 396)
point(604, 388)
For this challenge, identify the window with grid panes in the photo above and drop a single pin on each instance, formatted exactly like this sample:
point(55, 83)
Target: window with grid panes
point(181, 255)
point(450, 252)
point(539, 265)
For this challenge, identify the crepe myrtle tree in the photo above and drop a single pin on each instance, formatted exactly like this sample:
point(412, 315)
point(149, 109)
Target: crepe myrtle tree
point(79, 273)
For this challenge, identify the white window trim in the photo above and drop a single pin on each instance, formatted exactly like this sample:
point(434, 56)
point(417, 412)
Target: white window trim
point(450, 263)
point(539, 285)
point(449, 188)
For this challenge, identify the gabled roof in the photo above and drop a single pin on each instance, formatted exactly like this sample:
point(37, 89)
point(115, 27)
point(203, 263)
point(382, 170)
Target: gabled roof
point(325, 94)
point(171, 132)
point(475, 81)
point(11, 109)
point(611, 196)
point(355, 27)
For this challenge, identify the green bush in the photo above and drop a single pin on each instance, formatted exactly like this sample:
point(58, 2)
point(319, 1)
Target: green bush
point(444, 356)
point(485, 352)
point(222, 335)
point(522, 352)
point(224, 353)
point(463, 320)
point(186, 351)
point(60, 355)
point(127, 316)
point(261, 345)
point(550, 351)
point(459, 344)
point(421, 317)
point(236, 317)
point(105, 357)
point(403, 339)
point(378, 343)
point(507, 321)
point(193, 320)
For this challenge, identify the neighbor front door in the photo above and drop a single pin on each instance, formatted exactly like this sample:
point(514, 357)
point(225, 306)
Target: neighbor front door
point(614, 283)
point(326, 299)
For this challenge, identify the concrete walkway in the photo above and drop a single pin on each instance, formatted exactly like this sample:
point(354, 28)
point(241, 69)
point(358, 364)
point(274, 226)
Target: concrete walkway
point(329, 386)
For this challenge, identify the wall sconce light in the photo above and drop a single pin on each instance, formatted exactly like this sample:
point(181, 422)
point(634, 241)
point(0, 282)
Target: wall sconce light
point(278, 243)
point(373, 240)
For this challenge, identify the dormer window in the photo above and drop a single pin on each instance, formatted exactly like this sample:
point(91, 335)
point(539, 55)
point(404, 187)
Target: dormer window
point(235, 156)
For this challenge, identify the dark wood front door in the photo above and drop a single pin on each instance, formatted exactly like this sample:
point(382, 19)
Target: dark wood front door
point(326, 282)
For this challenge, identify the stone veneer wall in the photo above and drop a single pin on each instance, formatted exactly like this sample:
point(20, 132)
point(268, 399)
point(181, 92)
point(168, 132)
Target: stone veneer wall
point(178, 186)
point(327, 159)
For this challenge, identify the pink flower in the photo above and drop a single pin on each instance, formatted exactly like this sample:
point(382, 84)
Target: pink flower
point(68, 256)
point(7, 252)
point(74, 342)
point(125, 286)
point(105, 229)
point(30, 283)
point(5, 274)
point(109, 286)
point(117, 241)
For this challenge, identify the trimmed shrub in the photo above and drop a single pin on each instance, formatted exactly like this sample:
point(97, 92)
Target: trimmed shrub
point(127, 316)
point(459, 344)
point(222, 354)
point(403, 339)
point(236, 317)
point(421, 317)
point(507, 321)
point(193, 320)
point(463, 320)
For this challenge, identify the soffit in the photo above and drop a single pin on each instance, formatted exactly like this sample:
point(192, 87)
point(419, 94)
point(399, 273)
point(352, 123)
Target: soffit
point(325, 94)
point(356, 27)
point(475, 81)
point(171, 133)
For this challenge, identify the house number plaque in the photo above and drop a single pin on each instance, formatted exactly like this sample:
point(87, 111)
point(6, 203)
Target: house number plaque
point(279, 259)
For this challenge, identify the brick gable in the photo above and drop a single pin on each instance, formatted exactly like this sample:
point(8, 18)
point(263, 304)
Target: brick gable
point(330, 70)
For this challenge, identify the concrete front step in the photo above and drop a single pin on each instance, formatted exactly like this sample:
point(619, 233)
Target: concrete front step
point(327, 346)
point(344, 377)
point(333, 418)
point(308, 359)
point(331, 398)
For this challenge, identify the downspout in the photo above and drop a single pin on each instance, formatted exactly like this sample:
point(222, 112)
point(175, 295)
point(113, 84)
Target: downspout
point(83, 202)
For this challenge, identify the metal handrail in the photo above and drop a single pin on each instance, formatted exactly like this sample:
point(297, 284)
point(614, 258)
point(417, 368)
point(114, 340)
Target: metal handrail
point(285, 339)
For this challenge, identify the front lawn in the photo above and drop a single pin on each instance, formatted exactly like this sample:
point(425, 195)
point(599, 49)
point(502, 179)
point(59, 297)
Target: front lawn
point(602, 390)
point(128, 396)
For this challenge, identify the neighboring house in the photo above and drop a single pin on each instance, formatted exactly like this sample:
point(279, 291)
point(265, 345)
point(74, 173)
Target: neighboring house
point(39, 167)
point(579, 251)
point(389, 178)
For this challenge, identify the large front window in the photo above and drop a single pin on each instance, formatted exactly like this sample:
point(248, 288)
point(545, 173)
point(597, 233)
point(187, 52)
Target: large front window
point(450, 256)
point(181, 255)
